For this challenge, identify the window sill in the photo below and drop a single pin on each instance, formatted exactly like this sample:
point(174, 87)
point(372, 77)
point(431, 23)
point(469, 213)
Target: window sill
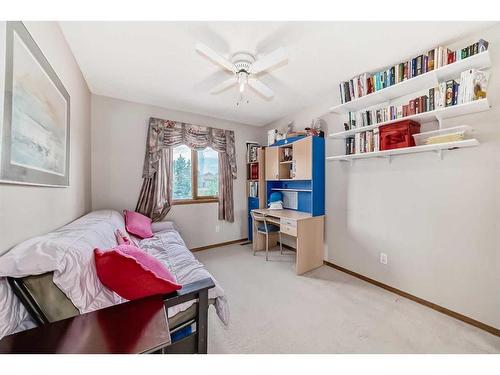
point(195, 201)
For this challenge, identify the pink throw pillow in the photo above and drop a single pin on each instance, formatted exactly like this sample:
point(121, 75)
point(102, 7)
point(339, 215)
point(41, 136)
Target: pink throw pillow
point(132, 273)
point(138, 224)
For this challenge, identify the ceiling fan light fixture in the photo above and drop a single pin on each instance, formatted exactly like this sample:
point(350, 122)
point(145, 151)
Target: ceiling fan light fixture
point(245, 68)
point(242, 80)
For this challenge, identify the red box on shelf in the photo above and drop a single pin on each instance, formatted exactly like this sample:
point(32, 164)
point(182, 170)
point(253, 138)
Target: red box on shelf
point(398, 135)
point(254, 171)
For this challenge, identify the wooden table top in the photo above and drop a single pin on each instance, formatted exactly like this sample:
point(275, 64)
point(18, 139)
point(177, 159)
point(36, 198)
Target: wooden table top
point(134, 327)
point(285, 214)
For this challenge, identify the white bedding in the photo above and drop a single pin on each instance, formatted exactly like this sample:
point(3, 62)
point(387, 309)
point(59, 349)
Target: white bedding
point(170, 249)
point(68, 252)
point(13, 315)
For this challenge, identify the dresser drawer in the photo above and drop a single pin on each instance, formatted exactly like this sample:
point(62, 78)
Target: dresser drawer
point(289, 222)
point(288, 229)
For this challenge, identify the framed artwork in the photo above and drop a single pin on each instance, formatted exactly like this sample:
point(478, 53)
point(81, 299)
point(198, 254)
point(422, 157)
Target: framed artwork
point(34, 135)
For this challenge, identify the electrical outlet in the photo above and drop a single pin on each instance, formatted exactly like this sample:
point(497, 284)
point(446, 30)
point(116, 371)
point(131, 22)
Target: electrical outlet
point(383, 258)
point(217, 228)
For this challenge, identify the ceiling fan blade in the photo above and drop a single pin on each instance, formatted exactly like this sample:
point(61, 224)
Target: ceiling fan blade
point(260, 88)
point(268, 61)
point(215, 57)
point(224, 85)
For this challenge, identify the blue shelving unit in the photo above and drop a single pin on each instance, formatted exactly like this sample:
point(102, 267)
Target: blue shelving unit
point(253, 203)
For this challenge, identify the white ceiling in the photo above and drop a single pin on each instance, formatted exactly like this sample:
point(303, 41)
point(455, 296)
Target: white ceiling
point(156, 63)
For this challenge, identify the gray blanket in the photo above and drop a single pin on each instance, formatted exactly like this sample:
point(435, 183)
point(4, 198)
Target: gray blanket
point(170, 249)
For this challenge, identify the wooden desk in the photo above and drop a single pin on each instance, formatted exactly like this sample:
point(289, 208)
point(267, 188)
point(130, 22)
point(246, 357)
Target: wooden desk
point(307, 229)
point(131, 328)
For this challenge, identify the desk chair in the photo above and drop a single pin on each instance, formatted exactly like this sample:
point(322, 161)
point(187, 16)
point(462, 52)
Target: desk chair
point(265, 228)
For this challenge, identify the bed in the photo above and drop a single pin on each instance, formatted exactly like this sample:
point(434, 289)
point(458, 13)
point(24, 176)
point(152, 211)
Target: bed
point(54, 275)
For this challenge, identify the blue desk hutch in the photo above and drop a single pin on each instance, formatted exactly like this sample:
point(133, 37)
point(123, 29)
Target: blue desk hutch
point(298, 165)
point(294, 165)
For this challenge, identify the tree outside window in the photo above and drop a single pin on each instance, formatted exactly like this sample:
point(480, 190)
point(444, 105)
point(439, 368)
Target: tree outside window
point(196, 175)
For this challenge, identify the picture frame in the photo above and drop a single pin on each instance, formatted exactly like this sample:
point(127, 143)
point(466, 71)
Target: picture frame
point(35, 123)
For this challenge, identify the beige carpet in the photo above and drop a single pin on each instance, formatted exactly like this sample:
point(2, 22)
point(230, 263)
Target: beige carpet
point(325, 311)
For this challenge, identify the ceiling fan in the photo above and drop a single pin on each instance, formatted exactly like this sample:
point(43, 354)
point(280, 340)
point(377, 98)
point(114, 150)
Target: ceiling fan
point(245, 68)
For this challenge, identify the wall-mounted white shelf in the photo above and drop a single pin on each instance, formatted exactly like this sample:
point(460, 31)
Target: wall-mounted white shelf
point(421, 82)
point(306, 190)
point(407, 150)
point(436, 115)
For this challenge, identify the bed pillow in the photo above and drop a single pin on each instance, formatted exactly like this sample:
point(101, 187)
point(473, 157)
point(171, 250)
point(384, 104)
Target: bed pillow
point(132, 273)
point(138, 224)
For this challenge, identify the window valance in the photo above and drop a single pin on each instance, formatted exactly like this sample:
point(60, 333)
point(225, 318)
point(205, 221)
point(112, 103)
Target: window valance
point(167, 133)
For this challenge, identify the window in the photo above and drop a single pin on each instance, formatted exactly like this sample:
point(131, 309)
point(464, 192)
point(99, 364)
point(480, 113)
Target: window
point(182, 184)
point(196, 175)
point(207, 173)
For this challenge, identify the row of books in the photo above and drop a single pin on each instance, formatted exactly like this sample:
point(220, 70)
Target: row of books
point(252, 152)
point(368, 141)
point(438, 57)
point(253, 189)
point(253, 172)
point(472, 85)
point(473, 49)
point(393, 112)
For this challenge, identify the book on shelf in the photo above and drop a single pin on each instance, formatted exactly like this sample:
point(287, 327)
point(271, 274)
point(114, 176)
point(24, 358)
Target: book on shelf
point(253, 189)
point(349, 146)
point(376, 140)
point(252, 152)
point(440, 100)
point(436, 58)
point(363, 142)
point(479, 83)
point(432, 103)
point(254, 171)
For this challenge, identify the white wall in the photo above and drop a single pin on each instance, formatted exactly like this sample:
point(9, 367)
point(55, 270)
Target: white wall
point(438, 220)
point(119, 130)
point(26, 211)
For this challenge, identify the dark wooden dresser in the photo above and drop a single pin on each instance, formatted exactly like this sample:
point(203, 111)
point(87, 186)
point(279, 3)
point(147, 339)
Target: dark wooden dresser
point(131, 328)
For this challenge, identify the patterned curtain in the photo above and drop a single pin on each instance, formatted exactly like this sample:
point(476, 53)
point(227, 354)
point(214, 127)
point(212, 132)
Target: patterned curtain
point(155, 198)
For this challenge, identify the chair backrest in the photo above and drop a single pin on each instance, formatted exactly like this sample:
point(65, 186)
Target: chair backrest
point(258, 217)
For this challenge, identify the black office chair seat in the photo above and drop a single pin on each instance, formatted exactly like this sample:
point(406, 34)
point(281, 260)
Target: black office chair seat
point(270, 228)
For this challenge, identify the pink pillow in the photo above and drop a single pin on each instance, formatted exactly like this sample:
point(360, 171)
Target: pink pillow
point(132, 273)
point(122, 238)
point(138, 224)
